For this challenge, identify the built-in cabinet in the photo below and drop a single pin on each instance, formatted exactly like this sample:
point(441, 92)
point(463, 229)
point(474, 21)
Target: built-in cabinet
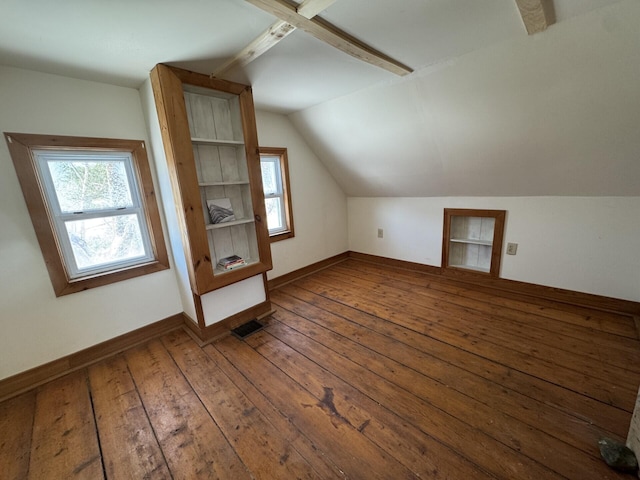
point(210, 140)
point(223, 177)
point(472, 241)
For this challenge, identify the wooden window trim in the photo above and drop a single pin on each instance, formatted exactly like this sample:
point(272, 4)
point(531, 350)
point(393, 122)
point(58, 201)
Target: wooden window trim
point(288, 210)
point(21, 146)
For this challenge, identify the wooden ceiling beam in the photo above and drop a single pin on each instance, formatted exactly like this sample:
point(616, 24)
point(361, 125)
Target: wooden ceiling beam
point(271, 37)
point(263, 43)
point(328, 33)
point(533, 15)
point(311, 8)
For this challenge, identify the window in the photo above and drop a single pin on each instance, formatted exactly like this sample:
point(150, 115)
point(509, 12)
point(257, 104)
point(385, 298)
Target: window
point(277, 197)
point(93, 208)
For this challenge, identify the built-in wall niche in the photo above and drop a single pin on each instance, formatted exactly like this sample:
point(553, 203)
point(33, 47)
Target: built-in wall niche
point(472, 241)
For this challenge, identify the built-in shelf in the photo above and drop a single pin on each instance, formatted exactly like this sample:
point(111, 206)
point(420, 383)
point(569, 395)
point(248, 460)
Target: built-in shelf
point(475, 268)
point(218, 143)
point(222, 271)
point(472, 241)
point(222, 184)
point(214, 226)
point(211, 142)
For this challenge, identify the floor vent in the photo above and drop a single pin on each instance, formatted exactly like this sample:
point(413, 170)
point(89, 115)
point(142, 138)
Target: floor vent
point(246, 329)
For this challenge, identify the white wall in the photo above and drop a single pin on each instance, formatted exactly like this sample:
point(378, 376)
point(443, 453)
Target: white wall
point(319, 204)
point(36, 326)
point(156, 153)
point(225, 302)
point(586, 244)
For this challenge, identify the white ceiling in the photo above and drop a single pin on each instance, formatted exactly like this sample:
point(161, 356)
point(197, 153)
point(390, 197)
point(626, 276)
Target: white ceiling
point(120, 41)
point(488, 111)
point(556, 113)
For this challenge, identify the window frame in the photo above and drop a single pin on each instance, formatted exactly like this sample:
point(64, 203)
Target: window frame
point(285, 194)
point(23, 148)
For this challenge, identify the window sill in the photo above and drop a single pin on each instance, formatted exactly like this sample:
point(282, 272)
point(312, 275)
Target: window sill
point(276, 237)
point(65, 287)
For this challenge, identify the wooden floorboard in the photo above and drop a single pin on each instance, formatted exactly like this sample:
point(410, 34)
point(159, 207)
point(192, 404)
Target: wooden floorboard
point(440, 324)
point(449, 411)
point(605, 321)
point(569, 322)
point(508, 329)
point(16, 424)
point(400, 439)
point(129, 445)
point(386, 356)
point(192, 442)
point(353, 453)
point(363, 372)
point(316, 457)
point(455, 361)
point(65, 440)
point(254, 438)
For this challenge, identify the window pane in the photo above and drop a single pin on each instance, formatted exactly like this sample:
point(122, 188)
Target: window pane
point(274, 218)
point(269, 177)
point(277, 197)
point(98, 241)
point(84, 185)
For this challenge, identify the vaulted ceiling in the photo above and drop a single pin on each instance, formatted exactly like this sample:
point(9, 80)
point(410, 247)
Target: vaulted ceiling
point(487, 110)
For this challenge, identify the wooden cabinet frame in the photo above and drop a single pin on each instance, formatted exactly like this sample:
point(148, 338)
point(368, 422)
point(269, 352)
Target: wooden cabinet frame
point(168, 87)
point(495, 244)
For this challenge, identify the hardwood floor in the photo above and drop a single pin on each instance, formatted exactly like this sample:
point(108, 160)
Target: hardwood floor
point(363, 372)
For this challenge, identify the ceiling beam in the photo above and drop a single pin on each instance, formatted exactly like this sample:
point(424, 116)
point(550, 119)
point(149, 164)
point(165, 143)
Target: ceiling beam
point(533, 15)
point(323, 30)
point(270, 37)
point(311, 8)
point(263, 43)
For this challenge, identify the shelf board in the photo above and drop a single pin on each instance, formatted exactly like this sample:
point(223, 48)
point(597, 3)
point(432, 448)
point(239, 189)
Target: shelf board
point(219, 143)
point(475, 268)
point(221, 271)
point(222, 184)
point(215, 226)
point(488, 243)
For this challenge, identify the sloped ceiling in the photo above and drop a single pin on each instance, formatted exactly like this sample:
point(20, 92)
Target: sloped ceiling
point(557, 113)
point(489, 110)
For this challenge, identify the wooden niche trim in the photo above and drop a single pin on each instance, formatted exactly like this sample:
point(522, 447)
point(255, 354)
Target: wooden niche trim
point(496, 244)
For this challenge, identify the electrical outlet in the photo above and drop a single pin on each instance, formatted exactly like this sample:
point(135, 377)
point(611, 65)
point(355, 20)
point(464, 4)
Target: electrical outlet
point(512, 248)
point(380, 233)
